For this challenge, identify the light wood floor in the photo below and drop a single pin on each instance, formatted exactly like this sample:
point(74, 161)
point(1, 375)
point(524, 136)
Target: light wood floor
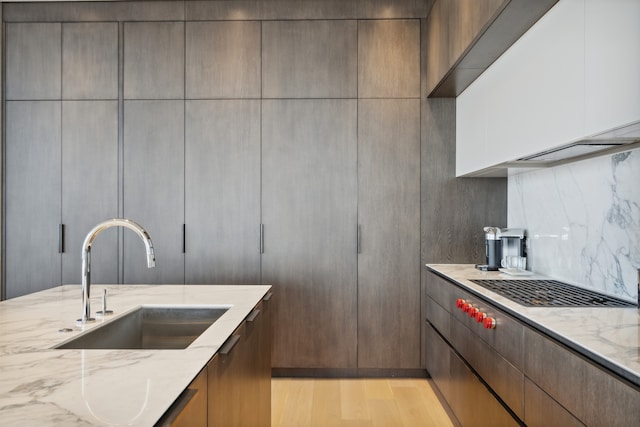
point(355, 402)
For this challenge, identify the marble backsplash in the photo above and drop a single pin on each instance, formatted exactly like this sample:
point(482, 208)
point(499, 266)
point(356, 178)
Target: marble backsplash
point(583, 221)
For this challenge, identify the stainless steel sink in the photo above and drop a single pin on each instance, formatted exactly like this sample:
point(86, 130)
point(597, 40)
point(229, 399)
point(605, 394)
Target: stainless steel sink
point(149, 327)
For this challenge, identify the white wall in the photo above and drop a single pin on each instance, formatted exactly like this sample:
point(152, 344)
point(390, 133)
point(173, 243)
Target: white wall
point(583, 221)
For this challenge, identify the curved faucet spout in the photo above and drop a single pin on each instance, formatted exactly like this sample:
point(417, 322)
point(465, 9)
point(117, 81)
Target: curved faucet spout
point(86, 257)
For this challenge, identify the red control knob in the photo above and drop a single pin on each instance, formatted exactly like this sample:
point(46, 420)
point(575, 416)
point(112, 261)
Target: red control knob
point(489, 323)
point(480, 316)
point(466, 307)
point(473, 311)
point(459, 302)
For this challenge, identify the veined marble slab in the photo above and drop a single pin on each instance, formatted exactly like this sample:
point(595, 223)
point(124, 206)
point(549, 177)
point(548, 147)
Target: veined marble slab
point(583, 221)
point(43, 386)
point(608, 336)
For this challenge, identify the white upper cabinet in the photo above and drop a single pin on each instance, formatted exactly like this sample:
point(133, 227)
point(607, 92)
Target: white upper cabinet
point(572, 75)
point(612, 64)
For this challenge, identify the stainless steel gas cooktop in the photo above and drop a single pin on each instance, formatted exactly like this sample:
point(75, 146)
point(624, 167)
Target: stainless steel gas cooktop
point(550, 293)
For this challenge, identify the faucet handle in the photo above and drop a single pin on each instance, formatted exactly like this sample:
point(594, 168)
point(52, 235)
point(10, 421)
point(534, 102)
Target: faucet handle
point(104, 311)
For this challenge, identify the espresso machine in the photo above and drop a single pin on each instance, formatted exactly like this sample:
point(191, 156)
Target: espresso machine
point(502, 245)
point(493, 249)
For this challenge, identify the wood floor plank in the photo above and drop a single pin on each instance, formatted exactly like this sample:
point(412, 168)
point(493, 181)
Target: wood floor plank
point(378, 388)
point(385, 413)
point(356, 403)
point(297, 408)
point(325, 410)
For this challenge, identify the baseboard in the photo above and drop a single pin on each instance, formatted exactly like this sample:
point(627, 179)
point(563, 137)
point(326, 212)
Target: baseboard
point(348, 373)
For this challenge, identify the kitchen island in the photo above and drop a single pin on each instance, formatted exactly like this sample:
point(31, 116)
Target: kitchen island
point(42, 385)
point(505, 363)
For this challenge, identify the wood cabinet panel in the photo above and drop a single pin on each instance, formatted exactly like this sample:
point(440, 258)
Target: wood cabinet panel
point(389, 216)
point(389, 59)
point(90, 60)
point(223, 60)
point(154, 188)
point(543, 411)
point(472, 403)
point(190, 409)
point(309, 59)
point(32, 197)
point(154, 60)
point(33, 61)
point(592, 395)
point(89, 186)
point(309, 213)
point(222, 152)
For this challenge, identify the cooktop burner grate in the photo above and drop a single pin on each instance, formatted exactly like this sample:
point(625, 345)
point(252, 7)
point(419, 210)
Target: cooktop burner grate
point(550, 293)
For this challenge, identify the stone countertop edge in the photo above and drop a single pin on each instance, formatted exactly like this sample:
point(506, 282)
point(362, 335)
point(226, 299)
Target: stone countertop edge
point(609, 337)
point(46, 386)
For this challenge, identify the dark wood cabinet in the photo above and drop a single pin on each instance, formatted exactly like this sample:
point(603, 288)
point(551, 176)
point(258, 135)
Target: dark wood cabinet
point(89, 187)
point(33, 61)
point(388, 217)
point(190, 409)
point(222, 191)
point(32, 197)
point(238, 373)
point(223, 60)
point(309, 215)
point(539, 380)
point(154, 60)
point(90, 61)
point(154, 188)
point(310, 59)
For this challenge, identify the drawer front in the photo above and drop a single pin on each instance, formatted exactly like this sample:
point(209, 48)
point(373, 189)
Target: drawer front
point(504, 378)
point(439, 318)
point(472, 402)
point(438, 362)
point(591, 394)
point(507, 337)
point(440, 290)
point(542, 411)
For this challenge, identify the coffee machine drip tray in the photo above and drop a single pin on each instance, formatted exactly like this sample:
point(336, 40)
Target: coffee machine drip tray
point(550, 293)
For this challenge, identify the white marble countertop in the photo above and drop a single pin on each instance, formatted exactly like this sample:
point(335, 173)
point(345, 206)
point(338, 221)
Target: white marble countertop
point(44, 386)
point(609, 336)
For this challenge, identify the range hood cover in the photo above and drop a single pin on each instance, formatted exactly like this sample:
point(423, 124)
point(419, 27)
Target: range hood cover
point(624, 135)
point(577, 149)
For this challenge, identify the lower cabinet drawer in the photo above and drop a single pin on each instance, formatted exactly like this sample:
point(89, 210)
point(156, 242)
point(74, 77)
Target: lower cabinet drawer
point(504, 378)
point(594, 396)
point(473, 404)
point(542, 411)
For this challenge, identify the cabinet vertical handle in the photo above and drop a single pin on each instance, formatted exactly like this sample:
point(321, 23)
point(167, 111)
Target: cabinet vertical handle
point(359, 239)
point(184, 238)
point(261, 244)
point(60, 238)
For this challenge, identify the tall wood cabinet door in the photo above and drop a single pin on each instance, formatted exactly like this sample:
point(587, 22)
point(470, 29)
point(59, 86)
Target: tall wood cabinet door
point(309, 215)
point(389, 218)
point(154, 188)
point(89, 186)
point(33, 61)
point(32, 197)
point(222, 152)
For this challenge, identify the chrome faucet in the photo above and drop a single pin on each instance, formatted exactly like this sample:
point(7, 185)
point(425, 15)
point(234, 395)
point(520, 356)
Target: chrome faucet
point(86, 257)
